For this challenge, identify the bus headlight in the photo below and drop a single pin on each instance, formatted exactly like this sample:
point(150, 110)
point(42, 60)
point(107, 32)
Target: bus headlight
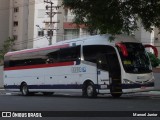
point(152, 80)
point(126, 81)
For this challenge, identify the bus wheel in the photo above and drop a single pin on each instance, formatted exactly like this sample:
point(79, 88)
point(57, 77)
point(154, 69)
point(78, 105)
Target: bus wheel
point(91, 91)
point(24, 89)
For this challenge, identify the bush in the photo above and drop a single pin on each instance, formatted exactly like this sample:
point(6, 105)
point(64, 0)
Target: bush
point(154, 60)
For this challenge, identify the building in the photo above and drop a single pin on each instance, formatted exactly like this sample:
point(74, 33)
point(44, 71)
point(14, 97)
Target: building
point(26, 23)
point(72, 30)
point(4, 32)
point(29, 23)
point(18, 23)
point(145, 37)
point(157, 40)
point(4, 21)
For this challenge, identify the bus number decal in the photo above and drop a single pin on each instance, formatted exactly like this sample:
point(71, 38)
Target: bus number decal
point(78, 69)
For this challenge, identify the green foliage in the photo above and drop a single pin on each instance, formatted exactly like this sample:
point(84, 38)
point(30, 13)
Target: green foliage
point(111, 38)
point(154, 60)
point(115, 16)
point(6, 47)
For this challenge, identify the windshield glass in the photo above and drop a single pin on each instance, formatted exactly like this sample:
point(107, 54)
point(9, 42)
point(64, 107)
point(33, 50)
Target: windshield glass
point(137, 60)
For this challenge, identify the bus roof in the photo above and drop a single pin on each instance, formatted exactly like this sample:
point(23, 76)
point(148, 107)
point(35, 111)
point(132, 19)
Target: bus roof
point(99, 39)
point(90, 40)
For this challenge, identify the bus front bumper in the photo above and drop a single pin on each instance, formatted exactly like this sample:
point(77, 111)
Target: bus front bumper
point(127, 88)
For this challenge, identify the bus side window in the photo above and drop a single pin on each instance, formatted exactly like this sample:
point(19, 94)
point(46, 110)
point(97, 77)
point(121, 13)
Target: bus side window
point(102, 62)
point(69, 54)
point(52, 57)
point(90, 53)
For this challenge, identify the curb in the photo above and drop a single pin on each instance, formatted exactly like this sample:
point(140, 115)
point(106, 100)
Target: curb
point(150, 93)
point(155, 92)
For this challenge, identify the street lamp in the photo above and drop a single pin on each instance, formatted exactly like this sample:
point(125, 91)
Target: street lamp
point(41, 30)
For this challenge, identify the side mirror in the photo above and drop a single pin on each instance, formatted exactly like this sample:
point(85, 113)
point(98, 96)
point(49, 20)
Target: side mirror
point(123, 49)
point(154, 49)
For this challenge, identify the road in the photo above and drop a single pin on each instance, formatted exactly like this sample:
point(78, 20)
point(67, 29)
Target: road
point(73, 102)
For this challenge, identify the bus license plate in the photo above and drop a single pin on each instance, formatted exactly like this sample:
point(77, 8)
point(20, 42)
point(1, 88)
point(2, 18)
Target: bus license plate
point(103, 86)
point(143, 87)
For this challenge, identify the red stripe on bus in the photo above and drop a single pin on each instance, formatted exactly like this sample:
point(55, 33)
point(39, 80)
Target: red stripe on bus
point(36, 50)
point(40, 66)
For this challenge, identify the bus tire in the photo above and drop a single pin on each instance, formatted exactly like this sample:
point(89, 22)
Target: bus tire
point(24, 89)
point(90, 90)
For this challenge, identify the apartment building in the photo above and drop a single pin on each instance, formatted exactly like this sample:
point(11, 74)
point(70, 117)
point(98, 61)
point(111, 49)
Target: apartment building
point(4, 32)
point(18, 22)
point(4, 21)
point(29, 23)
point(71, 30)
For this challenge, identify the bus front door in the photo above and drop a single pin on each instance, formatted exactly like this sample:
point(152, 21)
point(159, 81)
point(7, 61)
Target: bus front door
point(114, 74)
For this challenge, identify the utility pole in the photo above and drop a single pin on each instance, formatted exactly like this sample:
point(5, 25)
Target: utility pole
point(51, 14)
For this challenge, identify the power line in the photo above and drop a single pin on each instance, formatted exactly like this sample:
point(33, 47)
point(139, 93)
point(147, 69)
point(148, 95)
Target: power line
point(74, 36)
point(42, 37)
point(80, 35)
point(51, 14)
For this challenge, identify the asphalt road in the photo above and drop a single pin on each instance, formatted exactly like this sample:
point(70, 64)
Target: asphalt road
point(60, 102)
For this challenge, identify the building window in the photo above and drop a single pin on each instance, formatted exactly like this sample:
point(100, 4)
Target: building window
point(71, 34)
point(15, 23)
point(68, 16)
point(50, 33)
point(40, 33)
point(16, 9)
point(15, 37)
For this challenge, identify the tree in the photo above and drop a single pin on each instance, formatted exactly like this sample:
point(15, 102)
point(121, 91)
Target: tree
point(6, 47)
point(154, 60)
point(115, 16)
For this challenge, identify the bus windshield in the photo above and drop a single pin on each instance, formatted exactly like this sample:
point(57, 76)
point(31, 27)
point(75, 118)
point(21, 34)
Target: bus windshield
point(137, 60)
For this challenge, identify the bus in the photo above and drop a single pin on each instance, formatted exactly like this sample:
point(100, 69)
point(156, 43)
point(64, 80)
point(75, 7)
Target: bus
point(91, 65)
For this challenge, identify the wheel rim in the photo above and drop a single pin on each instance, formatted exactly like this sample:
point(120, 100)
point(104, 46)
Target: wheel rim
point(89, 91)
point(25, 90)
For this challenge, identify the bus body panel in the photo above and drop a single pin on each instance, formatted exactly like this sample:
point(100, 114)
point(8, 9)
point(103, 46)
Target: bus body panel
point(69, 76)
point(64, 77)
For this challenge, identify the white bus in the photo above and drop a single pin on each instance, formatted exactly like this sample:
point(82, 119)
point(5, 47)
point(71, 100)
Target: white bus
point(91, 65)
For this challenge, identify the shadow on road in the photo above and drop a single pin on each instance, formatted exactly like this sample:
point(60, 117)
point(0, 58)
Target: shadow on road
point(107, 96)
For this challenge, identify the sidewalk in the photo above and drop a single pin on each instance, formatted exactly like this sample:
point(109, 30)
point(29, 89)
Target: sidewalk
point(156, 70)
point(2, 91)
point(151, 93)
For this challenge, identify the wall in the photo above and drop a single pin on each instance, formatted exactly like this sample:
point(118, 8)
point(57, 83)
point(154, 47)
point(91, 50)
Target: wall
point(4, 21)
point(1, 76)
point(21, 17)
point(157, 41)
point(31, 24)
